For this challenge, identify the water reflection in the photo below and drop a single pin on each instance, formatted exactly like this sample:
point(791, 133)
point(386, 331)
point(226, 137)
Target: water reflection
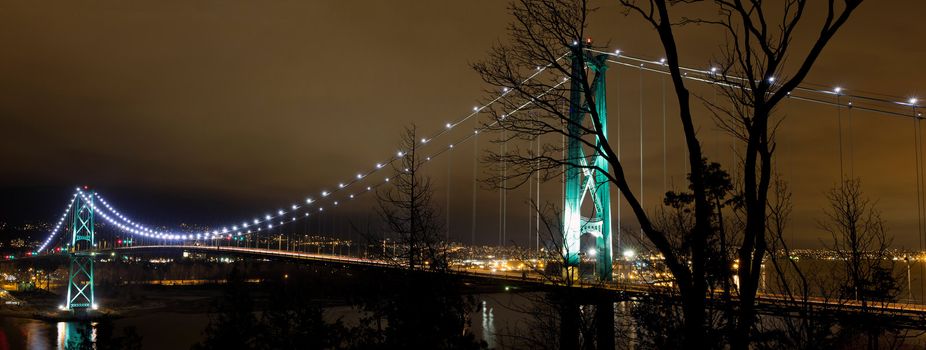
point(75, 335)
point(488, 324)
point(17, 333)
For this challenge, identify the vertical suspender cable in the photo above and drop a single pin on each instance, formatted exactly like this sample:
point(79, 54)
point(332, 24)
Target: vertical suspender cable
point(501, 151)
point(537, 205)
point(641, 138)
point(921, 204)
point(475, 163)
point(619, 140)
point(916, 154)
point(447, 208)
point(530, 198)
point(839, 130)
point(505, 194)
point(850, 139)
point(664, 186)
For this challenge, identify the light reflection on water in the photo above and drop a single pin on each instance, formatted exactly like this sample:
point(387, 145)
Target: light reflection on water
point(488, 324)
point(18, 333)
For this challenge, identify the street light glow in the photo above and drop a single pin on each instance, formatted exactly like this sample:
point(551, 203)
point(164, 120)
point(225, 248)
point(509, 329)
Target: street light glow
point(629, 254)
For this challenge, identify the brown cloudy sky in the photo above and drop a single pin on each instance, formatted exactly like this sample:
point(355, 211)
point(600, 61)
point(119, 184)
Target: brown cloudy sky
point(208, 110)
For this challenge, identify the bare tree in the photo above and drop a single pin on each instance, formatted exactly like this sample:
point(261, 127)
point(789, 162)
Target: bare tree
point(753, 76)
point(408, 212)
point(860, 242)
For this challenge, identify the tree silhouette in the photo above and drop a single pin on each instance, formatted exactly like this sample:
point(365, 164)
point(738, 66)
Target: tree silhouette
point(407, 209)
point(752, 75)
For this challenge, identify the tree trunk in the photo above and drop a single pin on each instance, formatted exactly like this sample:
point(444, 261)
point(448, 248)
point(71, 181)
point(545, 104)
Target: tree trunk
point(568, 325)
point(604, 320)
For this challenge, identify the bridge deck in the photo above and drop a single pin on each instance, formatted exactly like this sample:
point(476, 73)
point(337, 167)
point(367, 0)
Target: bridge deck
point(912, 314)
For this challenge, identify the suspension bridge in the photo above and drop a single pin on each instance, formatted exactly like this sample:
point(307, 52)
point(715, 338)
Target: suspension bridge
point(90, 225)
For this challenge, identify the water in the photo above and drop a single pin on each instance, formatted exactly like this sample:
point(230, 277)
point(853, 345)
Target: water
point(497, 314)
point(163, 330)
point(172, 330)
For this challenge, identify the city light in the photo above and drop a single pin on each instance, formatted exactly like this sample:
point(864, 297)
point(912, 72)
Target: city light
point(629, 254)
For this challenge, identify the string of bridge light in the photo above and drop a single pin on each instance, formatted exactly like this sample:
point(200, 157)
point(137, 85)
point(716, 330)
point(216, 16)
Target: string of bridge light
point(60, 222)
point(125, 224)
point(246, 227)
point(709, 76)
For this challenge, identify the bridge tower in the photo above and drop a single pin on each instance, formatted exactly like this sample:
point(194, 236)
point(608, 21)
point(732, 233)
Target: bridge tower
point(584, 179)
point(80, 276)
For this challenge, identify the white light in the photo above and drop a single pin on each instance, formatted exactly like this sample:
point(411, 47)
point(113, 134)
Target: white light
point(295, 207)
point(267, 217)
point(400, 154)
point(475, 131)
point(351, 196)
point(424, 140)
point(713, 70)
point(837, 90)
point(913, 100)
point(280, 212)
point(379, 166)
point(368, 188)
point(629, 254)
point(341, 185)
point(324, 193)
point(617, 52)
point(308, 201)
point(451, 145)
point(662, 61)
point(475, 109)
point(387, 179)
point(95, 306)
point(771, 79)
point(592, 252)
point(449, 125)
point(574, 43)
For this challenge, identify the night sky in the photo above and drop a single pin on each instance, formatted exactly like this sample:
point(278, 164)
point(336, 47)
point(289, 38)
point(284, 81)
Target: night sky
point(213, 112)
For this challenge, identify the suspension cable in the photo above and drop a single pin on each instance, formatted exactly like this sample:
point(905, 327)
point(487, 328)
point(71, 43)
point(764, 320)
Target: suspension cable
point(475, 176)
point(641, 139)
point(839, 131)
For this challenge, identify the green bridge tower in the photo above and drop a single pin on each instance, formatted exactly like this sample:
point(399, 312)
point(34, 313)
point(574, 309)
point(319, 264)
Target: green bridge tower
point(80, 276)
point(582, 178)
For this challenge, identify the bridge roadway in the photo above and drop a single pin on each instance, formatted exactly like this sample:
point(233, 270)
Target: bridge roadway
point(907, 314)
